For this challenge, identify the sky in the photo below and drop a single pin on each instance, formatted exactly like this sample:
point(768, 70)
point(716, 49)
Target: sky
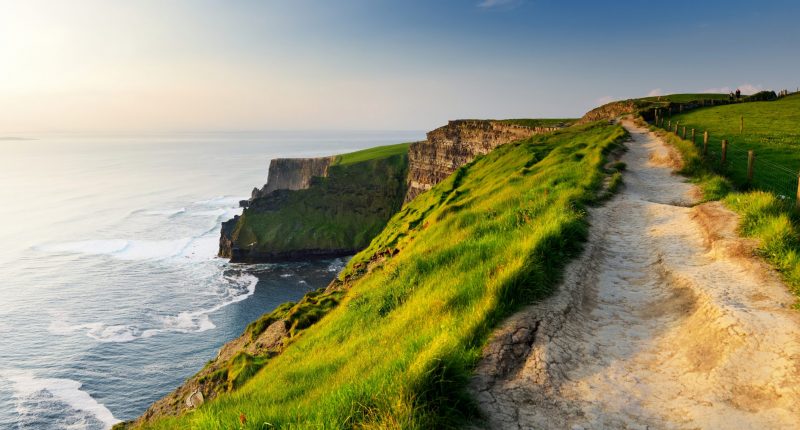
point(121, 66)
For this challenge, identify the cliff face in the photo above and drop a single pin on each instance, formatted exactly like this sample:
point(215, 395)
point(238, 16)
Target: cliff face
point(456, 144)
point(293, 174)
point(317, 207)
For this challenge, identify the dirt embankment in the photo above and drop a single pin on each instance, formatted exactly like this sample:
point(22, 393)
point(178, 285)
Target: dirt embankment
point(666, 321)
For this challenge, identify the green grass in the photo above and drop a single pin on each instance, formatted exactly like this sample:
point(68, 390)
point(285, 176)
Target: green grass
point(540, 122)
point(771, 129)
point(686, 98)
point(340, 213)
point(421, 300)
point(371, 154)
point(765, 216)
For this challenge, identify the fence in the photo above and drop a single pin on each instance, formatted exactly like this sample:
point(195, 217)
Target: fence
point(741, 165)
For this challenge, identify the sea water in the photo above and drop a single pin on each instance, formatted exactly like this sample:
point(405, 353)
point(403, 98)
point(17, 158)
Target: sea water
point(110, 291)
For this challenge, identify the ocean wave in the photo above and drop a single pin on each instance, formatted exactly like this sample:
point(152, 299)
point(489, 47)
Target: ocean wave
point(167, 212)
point(212, 212)
point(123, 249)
point(241, 287)
point(34, 397)
point(191, 248)
point(225, 201)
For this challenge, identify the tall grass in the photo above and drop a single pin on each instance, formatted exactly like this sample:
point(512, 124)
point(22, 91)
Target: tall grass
point(421, 301)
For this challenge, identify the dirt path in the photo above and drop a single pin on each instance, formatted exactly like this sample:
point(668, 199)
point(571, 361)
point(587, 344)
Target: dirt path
point(666, 321)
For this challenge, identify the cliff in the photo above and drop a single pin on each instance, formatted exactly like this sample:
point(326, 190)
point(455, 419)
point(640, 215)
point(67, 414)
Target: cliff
point(318, 207)
point(292, 174)
point(392, 341)
point(456, 144)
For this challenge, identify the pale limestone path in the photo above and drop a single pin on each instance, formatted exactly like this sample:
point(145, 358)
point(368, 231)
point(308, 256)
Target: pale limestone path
point(665, 321)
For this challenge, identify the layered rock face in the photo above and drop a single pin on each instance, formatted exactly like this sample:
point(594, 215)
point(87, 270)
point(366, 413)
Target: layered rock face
point(292, 174)
point(456, 144)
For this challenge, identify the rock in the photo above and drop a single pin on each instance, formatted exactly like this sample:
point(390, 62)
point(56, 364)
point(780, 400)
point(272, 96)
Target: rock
point(456, 144)
point(271, 338)
point(609, 111)
point(292, 174)
point(226, 244)
point(194, 399)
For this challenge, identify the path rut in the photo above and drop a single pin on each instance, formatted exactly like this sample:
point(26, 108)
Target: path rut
point(665, 321)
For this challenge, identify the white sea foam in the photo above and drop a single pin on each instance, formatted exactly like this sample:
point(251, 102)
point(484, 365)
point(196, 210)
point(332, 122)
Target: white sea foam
point(31, 390)
point(242, 287)
point(337, 265)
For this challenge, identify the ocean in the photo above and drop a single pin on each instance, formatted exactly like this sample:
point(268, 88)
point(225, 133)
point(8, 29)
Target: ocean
point(110, 291)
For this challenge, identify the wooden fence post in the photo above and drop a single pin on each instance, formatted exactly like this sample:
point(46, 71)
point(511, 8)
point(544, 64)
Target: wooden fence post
point(694, 141)
point(684, 132)
point(741, 124)
point(669, 124)
point(751, 159)
point(797, 198)
point(724, 151)
point(705, 143)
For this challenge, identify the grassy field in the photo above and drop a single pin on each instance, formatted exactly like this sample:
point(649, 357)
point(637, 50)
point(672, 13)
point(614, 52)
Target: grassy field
point(686, 98)
point(771, 129)
point(420, 302)
point(371, 154)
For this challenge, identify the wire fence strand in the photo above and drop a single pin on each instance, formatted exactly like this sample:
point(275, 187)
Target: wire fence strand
point(766, 175)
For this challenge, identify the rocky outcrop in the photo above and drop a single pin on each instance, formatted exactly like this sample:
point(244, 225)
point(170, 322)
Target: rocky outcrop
point(456, 144)
point(292, 174)
point(226, 236)
point(610, 111)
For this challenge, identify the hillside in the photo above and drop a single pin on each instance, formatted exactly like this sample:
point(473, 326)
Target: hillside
point(770, 129)
point(646, 106)
point(334, 208)
point(406, 320)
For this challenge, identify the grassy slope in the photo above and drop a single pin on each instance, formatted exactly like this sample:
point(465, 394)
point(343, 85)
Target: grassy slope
point(343, 211)
point(771, 129)
point(764, 216)
point(397, 351)
point(371, 154)
point(686, 98)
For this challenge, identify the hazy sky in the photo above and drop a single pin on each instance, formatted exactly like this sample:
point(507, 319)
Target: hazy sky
point(199, 65)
